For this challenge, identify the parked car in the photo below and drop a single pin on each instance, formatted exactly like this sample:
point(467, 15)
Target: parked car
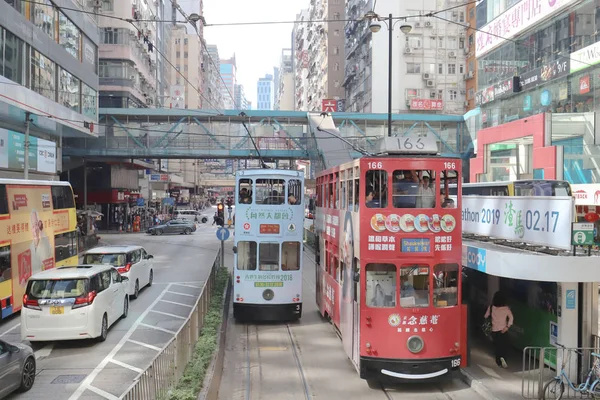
point(191, 216)
point(133, 262)
point(17, 368)
point(173, 226)
point(78, 302)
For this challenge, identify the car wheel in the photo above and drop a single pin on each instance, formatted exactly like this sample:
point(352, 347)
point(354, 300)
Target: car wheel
point(103, 329)
point(136, 291)
point(153, 233)
point(204, 220)
point(126, 307)
point(187, 231)
point(28, 375)
point(159, 232)
point(151, 278)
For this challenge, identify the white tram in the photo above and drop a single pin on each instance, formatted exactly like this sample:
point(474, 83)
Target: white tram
point(268, 244)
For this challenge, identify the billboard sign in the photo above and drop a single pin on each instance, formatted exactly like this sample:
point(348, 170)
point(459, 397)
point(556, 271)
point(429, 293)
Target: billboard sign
point(42, 153)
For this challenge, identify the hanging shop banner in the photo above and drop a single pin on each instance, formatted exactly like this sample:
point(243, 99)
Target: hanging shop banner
point(544, 221)
point(426, 105)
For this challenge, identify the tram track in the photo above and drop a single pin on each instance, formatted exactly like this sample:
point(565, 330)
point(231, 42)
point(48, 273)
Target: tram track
point(401, 393)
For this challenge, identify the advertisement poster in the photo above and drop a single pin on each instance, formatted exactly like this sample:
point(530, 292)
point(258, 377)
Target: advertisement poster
point(30, 231)
point(3, 148)
point(42, 153)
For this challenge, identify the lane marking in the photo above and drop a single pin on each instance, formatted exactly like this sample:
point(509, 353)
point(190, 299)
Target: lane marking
point(44, 351)
point(176, 303)
point(90, 378)
point(124, 365)
point(158, 328)
point(145, 345)
point(188, 285)
point(182, 294)
point(168, 314)
point(102, 393)
point(10, 330)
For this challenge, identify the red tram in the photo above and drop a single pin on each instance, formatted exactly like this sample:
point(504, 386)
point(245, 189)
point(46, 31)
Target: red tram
point(389, 261)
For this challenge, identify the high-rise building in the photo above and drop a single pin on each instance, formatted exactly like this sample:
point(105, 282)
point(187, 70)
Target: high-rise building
point(212, 69)
point(300, 61)
point(284, 99)
point(428, 63)
point(228, 72)
point(265, 93)
point(48, 68)
point(241, 103)
point(185, 52)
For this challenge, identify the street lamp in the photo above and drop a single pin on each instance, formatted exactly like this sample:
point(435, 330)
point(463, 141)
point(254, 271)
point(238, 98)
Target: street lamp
point(375, 26)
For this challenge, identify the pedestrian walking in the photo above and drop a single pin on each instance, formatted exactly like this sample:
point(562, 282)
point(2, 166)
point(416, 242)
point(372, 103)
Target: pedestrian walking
point(502, 320)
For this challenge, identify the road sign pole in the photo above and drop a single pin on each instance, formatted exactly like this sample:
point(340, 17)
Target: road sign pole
point(222, 254)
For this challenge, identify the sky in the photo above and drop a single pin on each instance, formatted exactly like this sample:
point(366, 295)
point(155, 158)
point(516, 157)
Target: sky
point(257, 48)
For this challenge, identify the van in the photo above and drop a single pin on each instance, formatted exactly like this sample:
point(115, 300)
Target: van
point(190, 215)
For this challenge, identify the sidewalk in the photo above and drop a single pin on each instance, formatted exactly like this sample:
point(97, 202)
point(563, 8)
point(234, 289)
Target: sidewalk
point(487, 379)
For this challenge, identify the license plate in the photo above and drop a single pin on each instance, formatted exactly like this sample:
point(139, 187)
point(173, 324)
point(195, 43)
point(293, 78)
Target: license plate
point(55, 310)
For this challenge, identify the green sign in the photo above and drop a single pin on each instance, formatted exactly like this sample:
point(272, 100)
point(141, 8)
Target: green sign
point(582, 234)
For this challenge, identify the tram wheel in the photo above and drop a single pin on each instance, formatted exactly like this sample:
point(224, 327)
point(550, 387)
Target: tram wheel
point(374, 384)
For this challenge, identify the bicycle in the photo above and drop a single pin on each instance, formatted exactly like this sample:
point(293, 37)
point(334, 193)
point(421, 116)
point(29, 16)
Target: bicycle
point(591, 385)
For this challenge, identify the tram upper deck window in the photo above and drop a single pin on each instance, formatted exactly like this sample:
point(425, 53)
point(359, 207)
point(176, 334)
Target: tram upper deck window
point(294, 192)
point(290, 256)
point(270, 191)
point(445, 281)
point(414, 286)
point(245, 191)
point(376, 193)
point(246, 256)
point(413, 189)
point(448, 178)
point(381, 285)
point(268, 257)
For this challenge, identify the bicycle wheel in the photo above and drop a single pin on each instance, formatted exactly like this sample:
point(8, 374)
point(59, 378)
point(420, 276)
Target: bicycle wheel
point(553, 390)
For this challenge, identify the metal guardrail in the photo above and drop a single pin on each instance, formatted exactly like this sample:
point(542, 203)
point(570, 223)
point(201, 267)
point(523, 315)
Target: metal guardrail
point(536, 372)
point(168, 366)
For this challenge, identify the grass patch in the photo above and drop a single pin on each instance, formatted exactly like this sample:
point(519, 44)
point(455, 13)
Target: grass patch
point(190, 383)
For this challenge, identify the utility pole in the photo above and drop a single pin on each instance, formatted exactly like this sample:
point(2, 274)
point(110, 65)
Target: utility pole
point(26, 164)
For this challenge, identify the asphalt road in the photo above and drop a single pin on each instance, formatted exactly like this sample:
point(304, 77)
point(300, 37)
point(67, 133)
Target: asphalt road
point(89, 370)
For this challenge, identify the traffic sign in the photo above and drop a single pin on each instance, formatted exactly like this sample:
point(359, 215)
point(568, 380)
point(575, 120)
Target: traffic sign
point(582, 234)
point(222, 233)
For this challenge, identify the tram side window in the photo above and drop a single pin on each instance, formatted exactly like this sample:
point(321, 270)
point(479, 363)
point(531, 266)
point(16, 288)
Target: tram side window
point(413, 189)
point(414, 286)
point(246, 256)
point(245, 191)
point(381, 285)
point(376, 192)
point(356, 194)
point(268, 257)
point(290, 260)
point(445, 281)
point(294, 192)
point(5, 271)
point(3, 200)
point(270, 191)
point(449, 177)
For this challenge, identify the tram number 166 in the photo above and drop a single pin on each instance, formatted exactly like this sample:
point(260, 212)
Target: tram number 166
point(455, 363)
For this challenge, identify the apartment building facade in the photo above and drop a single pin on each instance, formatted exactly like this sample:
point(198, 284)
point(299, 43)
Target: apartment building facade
point(300, 61)
point(284, 98)
point(228, 73)
point(265, 93)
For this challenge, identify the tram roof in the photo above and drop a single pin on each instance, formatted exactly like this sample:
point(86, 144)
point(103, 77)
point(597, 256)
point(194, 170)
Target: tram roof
point(269, 172)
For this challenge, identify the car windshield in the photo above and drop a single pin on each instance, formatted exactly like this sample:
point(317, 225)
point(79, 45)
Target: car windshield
point(117, 260)
point(57, 288)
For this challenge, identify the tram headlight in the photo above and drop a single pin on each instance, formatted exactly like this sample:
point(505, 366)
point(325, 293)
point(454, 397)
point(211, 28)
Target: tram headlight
point(415, 344)
point(268, 294)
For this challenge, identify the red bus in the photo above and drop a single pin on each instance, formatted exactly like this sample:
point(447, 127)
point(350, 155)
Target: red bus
point(388, 257)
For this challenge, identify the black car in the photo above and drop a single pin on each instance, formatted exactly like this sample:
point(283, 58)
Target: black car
point(173, 226)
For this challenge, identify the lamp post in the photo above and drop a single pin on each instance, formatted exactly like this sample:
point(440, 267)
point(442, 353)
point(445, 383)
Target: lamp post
point(375, 27)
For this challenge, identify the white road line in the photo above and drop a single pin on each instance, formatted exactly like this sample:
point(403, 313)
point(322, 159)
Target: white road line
point(174, 302)
point(182, 294)
point(158, 328)
point(10, 330)
point(44, 351)
point(188, 285)
point(90, 378)
point(168, 314)
point(145, 345)
point(102, 393)
point(124, 365)
point(195, 285)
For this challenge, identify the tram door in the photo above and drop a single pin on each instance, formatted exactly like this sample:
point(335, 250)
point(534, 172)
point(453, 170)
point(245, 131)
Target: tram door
point(356, 311)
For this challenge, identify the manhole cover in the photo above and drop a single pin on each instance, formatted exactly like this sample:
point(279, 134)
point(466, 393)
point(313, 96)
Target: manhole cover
point(64, 379)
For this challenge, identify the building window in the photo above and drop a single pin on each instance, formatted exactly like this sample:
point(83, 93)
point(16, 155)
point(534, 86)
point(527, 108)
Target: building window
point(44, 17)
point(42, 75)
point(452, 94)
point(412, 93)
point(461, 68)
point(185, 54)
point(461, 16)
point(413, 68)
point(470, 94)
point(336, 66)
point(336, 16)
point(114, 36)
point(441, 69)
point(440, 42)
point(68, 94)
point(178, 54)
point(471, 39)
point(440, 94)
point(451, 69)
point(336, 50)
point(177, 41)
point(451, 43)
point(107, 5)
point(14, 58)
point(68, 35)
point(89, 101)
point(185, 41)
point(461, 43)
point(336, 32)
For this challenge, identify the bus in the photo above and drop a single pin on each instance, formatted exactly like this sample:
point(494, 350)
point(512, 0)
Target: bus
point(268, 245)
point(532, 187)
point(38, 225)
point(388, 261)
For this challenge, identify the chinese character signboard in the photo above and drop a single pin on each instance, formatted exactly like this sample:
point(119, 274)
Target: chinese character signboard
point(177, 96)
point(329, 105)
point(426, 105)
point(159, 177)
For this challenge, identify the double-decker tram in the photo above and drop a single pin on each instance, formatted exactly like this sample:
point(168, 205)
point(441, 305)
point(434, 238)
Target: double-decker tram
point(389, 261)
point(268, 244)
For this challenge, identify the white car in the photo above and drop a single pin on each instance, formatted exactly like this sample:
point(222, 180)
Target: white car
point(134, 262)
point(190, 215)
point(68, 303)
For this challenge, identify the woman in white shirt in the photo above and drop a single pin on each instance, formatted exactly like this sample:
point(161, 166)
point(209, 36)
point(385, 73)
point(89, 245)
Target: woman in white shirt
point(426, 197)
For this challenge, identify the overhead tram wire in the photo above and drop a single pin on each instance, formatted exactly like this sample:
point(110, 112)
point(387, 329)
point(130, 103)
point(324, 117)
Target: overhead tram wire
point(262, 162)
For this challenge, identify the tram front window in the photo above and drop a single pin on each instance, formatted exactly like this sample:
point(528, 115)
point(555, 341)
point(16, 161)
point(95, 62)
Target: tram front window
point(290, 260)
point(270, 191)
point(381, 285)
point(245, 191)
point(445, 280)
point(268, 257)
point(414, 286)
point(246, 256)
point(295, 193)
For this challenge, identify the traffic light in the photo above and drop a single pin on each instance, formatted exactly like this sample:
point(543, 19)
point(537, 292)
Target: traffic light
point(229, 202)
point(221, 213)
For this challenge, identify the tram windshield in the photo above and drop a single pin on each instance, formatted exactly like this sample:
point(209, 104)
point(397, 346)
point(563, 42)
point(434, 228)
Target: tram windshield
point(414, 289)
point(445, 279)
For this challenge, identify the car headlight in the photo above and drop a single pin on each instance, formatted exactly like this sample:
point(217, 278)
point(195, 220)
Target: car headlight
point(415, 344)
point(268, 294)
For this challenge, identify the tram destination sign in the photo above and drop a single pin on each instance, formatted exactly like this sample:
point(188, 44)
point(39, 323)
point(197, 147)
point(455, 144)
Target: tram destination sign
point(544, 221)
point(412, 143)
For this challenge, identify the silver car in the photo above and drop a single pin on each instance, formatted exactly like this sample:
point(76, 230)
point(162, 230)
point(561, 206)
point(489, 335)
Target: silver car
point(17, 368)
